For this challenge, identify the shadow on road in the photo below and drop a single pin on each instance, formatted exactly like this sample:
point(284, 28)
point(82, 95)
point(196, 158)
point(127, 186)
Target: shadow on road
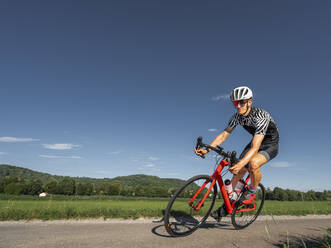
point(159, 230)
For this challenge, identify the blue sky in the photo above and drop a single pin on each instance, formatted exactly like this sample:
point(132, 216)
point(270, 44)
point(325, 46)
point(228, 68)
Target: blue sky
point(113, 88)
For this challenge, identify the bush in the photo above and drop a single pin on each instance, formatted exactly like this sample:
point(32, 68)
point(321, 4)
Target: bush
point(67, 186)
point(15, 188)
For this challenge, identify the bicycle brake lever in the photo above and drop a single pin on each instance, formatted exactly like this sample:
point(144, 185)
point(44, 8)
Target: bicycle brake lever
point(199, 141)
point(233, 158)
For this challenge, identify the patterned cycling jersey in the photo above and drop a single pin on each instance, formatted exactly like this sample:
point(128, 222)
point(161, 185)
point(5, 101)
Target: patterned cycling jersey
point(258, 121)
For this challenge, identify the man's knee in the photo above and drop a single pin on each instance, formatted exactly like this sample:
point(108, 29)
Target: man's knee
point(242, 172)
point(254, 164)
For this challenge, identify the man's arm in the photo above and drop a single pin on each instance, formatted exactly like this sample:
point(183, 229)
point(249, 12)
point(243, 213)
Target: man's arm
point(220, 138)
point(217, 141)
point(256, 143)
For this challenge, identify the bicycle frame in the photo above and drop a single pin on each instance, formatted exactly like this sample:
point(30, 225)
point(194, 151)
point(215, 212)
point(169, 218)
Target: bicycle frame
point(218, 178)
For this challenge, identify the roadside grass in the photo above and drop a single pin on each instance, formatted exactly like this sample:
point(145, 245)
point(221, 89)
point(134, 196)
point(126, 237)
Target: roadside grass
point(79, 198)
point(296, 207)
point(50, 210)
point(306, 241)
point(106, 207)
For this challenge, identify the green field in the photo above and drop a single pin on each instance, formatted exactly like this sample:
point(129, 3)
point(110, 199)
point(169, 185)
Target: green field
point(12, 209)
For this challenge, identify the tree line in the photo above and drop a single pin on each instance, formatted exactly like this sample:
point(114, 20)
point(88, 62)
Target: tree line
point(280, 194)
point(68, 186)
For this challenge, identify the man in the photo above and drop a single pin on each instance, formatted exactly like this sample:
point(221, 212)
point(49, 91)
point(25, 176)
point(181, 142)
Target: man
point(262, 148)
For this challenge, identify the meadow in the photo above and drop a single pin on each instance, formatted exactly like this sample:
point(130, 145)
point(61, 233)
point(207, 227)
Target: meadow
point(62, 207)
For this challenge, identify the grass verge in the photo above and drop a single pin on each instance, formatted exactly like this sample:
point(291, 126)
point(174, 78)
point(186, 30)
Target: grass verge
point(125, 208)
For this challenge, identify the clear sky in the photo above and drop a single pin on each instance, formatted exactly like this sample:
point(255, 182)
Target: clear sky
point(113, 88)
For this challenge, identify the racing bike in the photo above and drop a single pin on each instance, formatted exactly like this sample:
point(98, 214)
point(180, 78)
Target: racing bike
point(191, 204)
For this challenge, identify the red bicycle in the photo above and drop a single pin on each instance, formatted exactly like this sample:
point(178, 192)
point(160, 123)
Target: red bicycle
point(192, 203)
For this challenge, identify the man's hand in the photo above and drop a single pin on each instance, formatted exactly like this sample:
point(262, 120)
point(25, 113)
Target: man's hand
point(235, 169)
point(200, 152)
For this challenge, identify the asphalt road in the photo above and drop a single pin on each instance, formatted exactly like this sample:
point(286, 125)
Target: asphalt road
point(265, 232)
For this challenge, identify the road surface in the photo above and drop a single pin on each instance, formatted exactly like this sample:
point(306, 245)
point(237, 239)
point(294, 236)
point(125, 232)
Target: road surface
point(265, 232)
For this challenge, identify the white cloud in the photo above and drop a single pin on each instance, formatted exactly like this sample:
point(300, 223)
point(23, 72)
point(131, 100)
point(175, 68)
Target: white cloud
point(103, 172)
point(281, 164)
point(173, 174)
point(48, 156)
point(75, 157)
point(115, 152)
point(212, 130)
point(153, 158)
point(3, 153)
point(150, 165)
point(60, 146)
point(13, 139)
point(223, 97)
point(53, 156)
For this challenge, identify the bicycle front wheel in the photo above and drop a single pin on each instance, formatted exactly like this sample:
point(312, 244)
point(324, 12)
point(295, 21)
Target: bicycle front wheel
point(244, 215)
point(190, 206)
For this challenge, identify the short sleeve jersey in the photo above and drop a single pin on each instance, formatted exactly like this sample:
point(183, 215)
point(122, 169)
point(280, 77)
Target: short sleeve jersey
point(258, 121)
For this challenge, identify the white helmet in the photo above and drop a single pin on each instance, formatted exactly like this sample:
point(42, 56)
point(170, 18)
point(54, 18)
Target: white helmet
point(241, 93)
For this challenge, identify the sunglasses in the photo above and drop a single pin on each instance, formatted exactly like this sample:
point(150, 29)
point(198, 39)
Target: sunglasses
point(241, 102)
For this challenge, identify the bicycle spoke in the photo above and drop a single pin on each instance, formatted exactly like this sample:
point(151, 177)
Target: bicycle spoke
point(244, 215)
point(187, 211)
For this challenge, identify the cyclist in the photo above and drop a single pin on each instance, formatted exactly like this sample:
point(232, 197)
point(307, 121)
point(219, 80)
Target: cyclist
point(262, 148)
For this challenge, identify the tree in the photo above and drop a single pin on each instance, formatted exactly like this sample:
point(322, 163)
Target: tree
point(310, 195)
point(127, 191)
point(103, 189)
point(89, 189)
point(140, 191)
point(292, 195)
point(34, 187)
point(2, 185)
point(7, 180)
point(51, 187)
point(283, 195)
point(80, 189)
point(15, 188)
point(67, 186)
point(276, 193)
point(84, 188)
point(115, 188)
point(320, 196)
point(269, 194)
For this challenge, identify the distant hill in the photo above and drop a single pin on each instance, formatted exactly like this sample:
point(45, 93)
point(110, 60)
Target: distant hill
point(145, 180)
point(132, 180)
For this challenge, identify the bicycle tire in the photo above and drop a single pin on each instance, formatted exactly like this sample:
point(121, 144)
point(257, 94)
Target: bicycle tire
point(237, 219)
point(176, 218)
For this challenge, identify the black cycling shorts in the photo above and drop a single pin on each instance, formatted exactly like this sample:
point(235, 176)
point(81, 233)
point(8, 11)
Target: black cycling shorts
point(269, 151)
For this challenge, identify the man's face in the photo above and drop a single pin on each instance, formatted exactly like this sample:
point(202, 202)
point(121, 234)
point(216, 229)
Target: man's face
point(242, 106)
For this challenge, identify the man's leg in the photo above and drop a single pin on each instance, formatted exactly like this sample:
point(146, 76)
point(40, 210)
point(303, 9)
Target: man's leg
point(254, 171)
point(254, 168)
point(237, 177)
point(242, 172)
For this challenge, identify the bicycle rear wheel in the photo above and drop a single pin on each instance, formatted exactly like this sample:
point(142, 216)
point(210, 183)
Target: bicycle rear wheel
point(181, 215)
point(244, 215)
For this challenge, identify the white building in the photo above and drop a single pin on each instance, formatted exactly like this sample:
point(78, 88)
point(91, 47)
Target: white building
point(43, 194)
